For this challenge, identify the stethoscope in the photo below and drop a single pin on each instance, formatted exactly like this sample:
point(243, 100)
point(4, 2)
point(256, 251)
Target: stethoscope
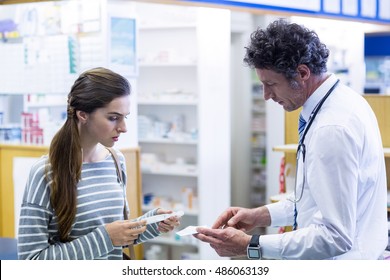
point(301, 149)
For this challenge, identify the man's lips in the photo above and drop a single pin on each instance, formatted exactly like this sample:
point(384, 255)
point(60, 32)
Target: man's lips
point(278, 101)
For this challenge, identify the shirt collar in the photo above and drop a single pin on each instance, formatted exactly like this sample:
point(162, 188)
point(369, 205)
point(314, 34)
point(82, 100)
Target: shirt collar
point(317, 95)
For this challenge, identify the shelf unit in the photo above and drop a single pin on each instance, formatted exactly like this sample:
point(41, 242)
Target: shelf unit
point(183, 107)
point(258, 144)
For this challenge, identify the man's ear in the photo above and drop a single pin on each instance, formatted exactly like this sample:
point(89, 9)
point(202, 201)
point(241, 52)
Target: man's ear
point(303, 72)
point(82, 116)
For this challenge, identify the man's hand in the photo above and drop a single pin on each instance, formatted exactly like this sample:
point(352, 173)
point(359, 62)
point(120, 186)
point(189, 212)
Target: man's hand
point(227, 242)
point(243, 219)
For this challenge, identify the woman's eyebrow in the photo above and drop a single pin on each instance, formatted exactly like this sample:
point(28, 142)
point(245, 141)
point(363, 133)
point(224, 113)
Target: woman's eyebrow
point(118, 114)
point(115, 113)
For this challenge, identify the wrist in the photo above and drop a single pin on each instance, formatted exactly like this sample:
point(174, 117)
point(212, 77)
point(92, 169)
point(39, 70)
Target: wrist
point(254, 248)
point(263, 217)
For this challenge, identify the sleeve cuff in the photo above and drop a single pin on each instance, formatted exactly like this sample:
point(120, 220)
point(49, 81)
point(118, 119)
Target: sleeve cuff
point(281, 213)
point(106, 239)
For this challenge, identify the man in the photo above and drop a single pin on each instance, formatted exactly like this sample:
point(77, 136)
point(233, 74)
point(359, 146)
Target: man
point(339, 205)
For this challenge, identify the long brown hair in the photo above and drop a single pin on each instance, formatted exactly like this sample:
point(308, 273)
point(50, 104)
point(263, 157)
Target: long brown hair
point(93, 89)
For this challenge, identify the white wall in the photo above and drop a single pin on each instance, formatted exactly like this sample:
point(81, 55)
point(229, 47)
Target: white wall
point(241, 100)
point(214, 118)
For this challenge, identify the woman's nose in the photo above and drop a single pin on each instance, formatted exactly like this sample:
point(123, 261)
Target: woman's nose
point(122, 127)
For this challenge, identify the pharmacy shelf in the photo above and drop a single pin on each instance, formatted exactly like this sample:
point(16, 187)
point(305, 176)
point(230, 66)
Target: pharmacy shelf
point(45, 105)
point(278, 197)
point(165, 26)
point(168, 141)
point(160, 102)
point(258, 144)
point(288, 148)
point(258, 166)
point(172, 241)
point(169, 173)
point(259, 131)
point(167, 64)
point(387, 152)
point(187, 212)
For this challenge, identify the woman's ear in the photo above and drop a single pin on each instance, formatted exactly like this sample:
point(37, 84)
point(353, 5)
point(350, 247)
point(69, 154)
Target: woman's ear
point(82, 116)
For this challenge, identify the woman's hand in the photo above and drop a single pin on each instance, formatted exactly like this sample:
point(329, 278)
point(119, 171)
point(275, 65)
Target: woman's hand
point(168, 224)
point(124, 233)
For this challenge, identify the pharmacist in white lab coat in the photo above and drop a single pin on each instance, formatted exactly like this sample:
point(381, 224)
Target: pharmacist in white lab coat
point(338, 209)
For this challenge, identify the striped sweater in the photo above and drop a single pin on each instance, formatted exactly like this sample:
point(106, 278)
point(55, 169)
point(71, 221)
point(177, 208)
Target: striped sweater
point(100, 200)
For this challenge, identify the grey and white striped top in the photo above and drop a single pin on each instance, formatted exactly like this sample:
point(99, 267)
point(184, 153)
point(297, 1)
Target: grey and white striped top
point(100, 200)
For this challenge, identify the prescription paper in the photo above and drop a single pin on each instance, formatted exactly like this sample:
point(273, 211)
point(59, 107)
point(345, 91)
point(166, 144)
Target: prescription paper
point(189, 230)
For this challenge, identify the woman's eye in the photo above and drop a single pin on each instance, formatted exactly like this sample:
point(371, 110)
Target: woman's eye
point(113, 118)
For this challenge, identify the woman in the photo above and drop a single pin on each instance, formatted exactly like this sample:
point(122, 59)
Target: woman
point(73, 206)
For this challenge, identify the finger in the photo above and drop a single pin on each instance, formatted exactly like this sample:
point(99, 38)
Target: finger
point(137, 230)
point(167, 222)
point(206, 238)
point(131, 241)
point(173, 219)
point(163, 211)
point(221, 220)
point(209, 232)
point(165, 227)
point(242, 229)
point(133, 237)
point(137, 224)
point(233, 221)
point(161, 229)
point(239, 217)
point(171, 222)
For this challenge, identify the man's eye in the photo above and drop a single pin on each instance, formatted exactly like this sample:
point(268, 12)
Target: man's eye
point(113, 118)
